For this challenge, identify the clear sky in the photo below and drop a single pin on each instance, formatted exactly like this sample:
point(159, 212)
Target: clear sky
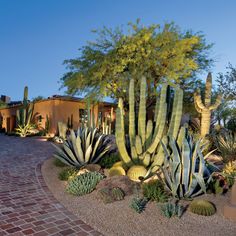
point(37, 35)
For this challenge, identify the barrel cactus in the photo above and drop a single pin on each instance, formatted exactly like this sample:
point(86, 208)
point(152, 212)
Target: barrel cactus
point(205, 108)
point(202, 207)
point(116, 171)
point(143, 147)
point(136, 172)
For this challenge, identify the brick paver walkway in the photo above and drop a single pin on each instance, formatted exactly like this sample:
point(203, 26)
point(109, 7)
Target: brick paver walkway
point(27, 207)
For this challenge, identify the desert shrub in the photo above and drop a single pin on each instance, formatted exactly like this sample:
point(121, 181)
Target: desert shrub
point(84, 183)
point(154, 191)
point(229, 172)
point(109, 160)
point(202, 207)
point(67, 173)
point(170, 209)
point(226, 144)
point(138, 204)
point(218, 184)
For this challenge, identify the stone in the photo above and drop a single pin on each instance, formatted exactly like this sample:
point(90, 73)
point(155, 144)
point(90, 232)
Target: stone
point(122, 182)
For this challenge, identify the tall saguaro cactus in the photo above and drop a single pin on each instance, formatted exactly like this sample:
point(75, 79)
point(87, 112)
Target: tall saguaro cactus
point(206, 107)
point(144, 151)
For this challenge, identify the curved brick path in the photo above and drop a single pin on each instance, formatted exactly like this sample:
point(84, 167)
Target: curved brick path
point(26, 205)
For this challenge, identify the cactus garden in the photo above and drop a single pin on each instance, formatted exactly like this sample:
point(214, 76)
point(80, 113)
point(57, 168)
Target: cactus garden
point(158, 164)
point(140, 137)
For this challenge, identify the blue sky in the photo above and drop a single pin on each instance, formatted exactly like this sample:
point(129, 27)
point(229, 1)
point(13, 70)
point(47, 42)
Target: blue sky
point(37, 35)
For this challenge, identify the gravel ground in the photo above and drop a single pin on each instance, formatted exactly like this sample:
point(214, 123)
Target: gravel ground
point(118, 219)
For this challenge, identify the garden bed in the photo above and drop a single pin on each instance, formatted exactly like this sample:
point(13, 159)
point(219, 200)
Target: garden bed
point(119, 219)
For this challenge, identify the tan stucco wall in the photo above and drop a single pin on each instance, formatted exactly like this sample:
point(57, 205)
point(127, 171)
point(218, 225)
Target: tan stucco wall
point(56, 109)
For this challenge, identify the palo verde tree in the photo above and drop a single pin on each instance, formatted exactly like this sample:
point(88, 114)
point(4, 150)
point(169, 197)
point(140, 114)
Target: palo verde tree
point(161, 53)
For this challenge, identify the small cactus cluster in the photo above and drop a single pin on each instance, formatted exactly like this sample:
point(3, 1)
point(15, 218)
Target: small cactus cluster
point(138, 204)
point(170, 209)
point(202, 207)
point(84, 183)
point(108, 195)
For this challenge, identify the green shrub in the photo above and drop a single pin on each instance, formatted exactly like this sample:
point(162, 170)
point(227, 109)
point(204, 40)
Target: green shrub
point(109, 160)
point(138, 204)
point(202, 207)
point(154, 191)
point(58, 163)
point(172, 209)
point(84, 183)
point(67, 173)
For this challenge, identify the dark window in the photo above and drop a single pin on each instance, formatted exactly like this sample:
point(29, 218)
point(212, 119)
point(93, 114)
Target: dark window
point(83, 116)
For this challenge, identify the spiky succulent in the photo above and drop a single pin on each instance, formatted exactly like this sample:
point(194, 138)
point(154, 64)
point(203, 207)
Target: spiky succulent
point(86, 147)
point(154, 191)
point(170, 209)
point(138, 204)
point(227, 145)
point(202, 207)
point(84, 183)
point(108, 195)
point(185, 171)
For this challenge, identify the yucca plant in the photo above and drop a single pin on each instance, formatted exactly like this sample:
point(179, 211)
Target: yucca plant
point(86, 147)
point(226, 144)
point(184, 169)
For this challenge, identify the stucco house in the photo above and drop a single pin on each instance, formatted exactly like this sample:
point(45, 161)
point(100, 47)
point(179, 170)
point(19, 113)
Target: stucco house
point(58, 109)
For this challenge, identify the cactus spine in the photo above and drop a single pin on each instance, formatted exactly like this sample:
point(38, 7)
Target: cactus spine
point(144, 144)
point(206, 107)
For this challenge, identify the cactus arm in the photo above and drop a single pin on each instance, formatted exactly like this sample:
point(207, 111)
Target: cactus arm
point(131, 113)
point(216, 104)
point(138, 145)
point(149, 131)
point(158, 136)
point(198, 101)
point(142, 110)
point(208, 90)
point(159, 115)
point(176, 114)
point(120, 138)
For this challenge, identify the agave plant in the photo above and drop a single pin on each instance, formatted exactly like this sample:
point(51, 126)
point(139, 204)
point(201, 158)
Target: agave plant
point(227, 145)
point(184, 169)
point(86, 147)
point(24, 130)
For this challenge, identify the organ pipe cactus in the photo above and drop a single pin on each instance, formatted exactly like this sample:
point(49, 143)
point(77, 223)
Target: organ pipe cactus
point(86, 147)
point(184, 169)
point(145, 148)
point(24, 116)
point(206, 107)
